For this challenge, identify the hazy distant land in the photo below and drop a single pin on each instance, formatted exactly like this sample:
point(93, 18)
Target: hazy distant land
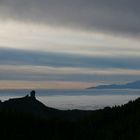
point(131, 85)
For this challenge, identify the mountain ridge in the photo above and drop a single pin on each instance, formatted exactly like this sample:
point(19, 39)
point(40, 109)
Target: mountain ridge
point(130, 85)
point(21, 118)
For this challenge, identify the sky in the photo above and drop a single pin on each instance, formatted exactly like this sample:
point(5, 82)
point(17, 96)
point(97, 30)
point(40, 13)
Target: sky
point(68, 43)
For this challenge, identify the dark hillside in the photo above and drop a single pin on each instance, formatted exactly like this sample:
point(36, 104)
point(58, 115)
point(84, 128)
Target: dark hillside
point(27, 118)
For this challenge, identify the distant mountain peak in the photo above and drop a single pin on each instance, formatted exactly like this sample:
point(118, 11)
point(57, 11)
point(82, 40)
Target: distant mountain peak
point(130, 85)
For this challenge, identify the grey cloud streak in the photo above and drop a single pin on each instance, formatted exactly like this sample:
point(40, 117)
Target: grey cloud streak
point(32, 59)
point(23, 57)
point(68, 77)
point(107, 15)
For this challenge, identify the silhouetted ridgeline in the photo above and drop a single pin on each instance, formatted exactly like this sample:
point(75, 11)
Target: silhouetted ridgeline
point(27, 118)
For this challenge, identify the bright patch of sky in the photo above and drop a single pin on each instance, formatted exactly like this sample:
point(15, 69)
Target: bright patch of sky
point(55, 39)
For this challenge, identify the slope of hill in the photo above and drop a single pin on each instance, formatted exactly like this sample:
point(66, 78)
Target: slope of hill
point(132, 85)
point(21, 119)
point(29, 105)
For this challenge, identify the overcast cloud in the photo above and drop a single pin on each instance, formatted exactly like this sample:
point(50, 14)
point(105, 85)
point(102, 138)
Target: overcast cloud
point(69, 42)
point(107, 15)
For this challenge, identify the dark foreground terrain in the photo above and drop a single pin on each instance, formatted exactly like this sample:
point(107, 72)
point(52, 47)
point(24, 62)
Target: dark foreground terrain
point(27, 118)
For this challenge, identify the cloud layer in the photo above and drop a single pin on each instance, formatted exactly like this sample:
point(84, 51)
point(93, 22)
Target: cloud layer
point(25, 65)
point(69, 42)
point(22, 57)
point(113, 16)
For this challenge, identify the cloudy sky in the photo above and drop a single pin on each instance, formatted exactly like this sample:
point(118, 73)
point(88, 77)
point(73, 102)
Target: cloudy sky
point(68, 43)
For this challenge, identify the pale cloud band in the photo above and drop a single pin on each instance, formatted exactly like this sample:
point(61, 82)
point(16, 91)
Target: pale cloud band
point(21, 84)
point(42, 70)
